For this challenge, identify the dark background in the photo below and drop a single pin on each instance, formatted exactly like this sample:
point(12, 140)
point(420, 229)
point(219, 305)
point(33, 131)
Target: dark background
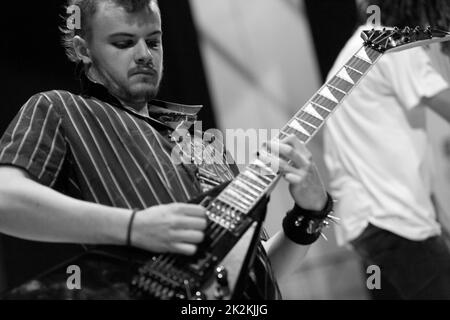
point(33, 61)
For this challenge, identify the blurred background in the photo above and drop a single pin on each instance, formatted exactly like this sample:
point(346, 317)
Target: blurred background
point(251, 63)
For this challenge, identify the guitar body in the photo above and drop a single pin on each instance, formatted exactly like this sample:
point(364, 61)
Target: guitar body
point(119, 273)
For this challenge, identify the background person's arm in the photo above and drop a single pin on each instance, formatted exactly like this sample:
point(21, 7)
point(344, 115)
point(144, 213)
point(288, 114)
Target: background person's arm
point(285, 255)
point(308, 191)
point(439, 103)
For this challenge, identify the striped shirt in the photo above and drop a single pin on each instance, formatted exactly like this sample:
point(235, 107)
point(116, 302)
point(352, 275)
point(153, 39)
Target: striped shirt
point(92, 148)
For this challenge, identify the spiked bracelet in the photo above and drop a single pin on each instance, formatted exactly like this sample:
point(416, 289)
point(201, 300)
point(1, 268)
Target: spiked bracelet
point(305, 226)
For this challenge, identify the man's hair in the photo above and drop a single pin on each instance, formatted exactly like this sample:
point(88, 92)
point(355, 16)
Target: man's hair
point(402, 13)
point(88, 8)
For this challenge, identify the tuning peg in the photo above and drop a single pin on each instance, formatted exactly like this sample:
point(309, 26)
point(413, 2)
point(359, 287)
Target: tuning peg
point(406, 30)
point(417, 29)
point(396, 29)
point(429, 32)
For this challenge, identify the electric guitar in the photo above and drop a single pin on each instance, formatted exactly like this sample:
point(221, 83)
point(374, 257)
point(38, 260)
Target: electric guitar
point(235, 211)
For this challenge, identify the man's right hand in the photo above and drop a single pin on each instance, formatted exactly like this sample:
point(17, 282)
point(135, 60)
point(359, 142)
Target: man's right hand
point(175, 227)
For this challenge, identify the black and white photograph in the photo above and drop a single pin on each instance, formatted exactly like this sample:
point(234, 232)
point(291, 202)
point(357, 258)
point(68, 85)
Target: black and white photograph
point(236, 151)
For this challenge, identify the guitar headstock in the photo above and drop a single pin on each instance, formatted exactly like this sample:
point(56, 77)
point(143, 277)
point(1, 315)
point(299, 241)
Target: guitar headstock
point(395, 39)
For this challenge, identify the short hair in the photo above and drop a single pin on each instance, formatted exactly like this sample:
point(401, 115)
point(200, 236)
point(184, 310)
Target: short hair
point(88, 8)
point(401, 13)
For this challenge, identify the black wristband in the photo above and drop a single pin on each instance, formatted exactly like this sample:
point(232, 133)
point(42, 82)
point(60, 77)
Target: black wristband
point(130, 227)
point(314, 214)
point(304, 226)
point(297, 232)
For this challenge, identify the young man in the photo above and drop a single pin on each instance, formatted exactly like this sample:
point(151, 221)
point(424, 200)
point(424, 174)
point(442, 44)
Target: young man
point(378, 155)
point(78, 166)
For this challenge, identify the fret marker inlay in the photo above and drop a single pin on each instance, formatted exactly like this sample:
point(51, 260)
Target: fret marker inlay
point(312, 111)
point(327, 94)
point(297, 126)
point(362, 54)
point(345, 76)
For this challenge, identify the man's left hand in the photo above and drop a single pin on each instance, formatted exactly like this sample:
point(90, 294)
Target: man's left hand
point(296, 165)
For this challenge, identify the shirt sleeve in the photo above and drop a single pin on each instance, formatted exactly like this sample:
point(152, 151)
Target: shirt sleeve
point(412, 76)
point(34, 141)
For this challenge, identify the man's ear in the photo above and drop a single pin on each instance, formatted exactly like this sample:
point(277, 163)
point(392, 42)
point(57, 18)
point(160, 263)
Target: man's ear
point(82, 50)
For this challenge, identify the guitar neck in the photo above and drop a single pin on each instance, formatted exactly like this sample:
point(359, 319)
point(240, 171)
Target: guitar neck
point(312, 116)
point(258, 178)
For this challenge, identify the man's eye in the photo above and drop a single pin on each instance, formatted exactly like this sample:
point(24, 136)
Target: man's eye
point(122, 44)
point(152, 43)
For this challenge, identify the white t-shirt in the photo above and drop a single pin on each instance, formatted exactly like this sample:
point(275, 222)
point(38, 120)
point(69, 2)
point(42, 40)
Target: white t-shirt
point(377, 150)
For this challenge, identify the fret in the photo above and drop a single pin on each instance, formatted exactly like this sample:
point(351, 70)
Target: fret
point(298, 118)
point(373, 54)
point(282, 133)
point(324, 112)
point(358, 64)
point(285, 132)
point(338, 94)
point(238, 195)
point(263, 181)
point(243, 192)
point(354, 74)
point(250, 183)
point(228, 199)
point(326, 92)
point(263, 167)
point(313, 111)
point(247, 188)
point(323, 102)
point(341, 84)
point(305, 128)
point(238, 188)
point(364, 55)
point(307, 117)
point(253, 178)
point(310, 129)
point(303, 137)
point(263, 178)
point(233, 193)
point(343, 74)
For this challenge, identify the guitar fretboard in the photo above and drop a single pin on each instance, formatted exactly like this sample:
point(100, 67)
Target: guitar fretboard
point(244, 192)
point(310, 118)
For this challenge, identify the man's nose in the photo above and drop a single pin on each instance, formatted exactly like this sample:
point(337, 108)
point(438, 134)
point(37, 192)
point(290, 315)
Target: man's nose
point(143, 53)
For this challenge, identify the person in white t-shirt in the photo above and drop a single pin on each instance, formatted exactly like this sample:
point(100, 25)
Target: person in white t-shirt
point(380, 163)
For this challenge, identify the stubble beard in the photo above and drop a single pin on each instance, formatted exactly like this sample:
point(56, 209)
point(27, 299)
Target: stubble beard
point(120, 91)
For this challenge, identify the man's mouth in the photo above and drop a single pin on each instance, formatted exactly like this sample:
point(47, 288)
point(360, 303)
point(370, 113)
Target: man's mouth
point(144, 71)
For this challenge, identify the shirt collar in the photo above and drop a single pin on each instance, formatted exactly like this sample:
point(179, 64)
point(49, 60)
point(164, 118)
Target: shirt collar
point(167, 113)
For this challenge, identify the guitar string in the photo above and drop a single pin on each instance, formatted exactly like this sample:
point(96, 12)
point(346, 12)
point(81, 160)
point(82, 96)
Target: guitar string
point(215, 229)
point(169, 259)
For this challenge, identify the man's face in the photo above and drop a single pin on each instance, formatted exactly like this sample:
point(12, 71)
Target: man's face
point(126, 51)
